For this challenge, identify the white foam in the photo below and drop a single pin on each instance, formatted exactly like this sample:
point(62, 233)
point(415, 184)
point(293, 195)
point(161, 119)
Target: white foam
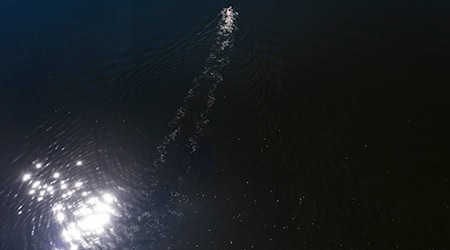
point(218, 58)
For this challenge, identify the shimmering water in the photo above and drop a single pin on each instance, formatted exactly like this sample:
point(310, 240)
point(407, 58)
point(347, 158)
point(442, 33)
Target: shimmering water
point(266, 125)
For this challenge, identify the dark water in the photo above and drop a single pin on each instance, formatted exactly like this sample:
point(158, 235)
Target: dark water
point(164, 125)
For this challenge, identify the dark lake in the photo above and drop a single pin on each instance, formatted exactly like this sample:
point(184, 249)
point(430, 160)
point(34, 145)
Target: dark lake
point(190, 125)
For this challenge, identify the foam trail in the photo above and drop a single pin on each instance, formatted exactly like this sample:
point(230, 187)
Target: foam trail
point(218, 58)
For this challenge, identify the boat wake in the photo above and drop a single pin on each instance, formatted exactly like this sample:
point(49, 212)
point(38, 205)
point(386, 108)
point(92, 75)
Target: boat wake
point(209, 79)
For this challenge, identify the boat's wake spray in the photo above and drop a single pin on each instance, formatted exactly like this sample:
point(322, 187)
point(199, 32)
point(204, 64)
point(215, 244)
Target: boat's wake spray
point(212, 75)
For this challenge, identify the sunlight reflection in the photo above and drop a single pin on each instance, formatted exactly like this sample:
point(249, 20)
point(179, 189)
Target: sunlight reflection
point(60, 217)
point(83, 215)
point(90, 219)
point(108, 198)
point(26, 177)
point(36, 184)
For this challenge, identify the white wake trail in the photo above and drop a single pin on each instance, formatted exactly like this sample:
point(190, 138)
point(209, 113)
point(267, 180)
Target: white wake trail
point(212, 73)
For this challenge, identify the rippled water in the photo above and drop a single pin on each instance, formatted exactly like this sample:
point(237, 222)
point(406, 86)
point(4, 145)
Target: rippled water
point(79, 194)
point(266, 125)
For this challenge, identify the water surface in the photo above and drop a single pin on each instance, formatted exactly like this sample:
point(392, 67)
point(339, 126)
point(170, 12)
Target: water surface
point(180, 125)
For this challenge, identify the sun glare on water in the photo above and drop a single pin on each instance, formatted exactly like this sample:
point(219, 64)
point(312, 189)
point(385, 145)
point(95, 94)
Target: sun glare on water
point(83, 215)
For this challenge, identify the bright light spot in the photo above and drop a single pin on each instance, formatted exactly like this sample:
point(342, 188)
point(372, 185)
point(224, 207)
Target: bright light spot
point(93, 200)
point(72, 233)
point(26, 177)
point(35, 184)
point(91, 218)
point(83, 211)
point(94, 222)
point(108, 198)
point(85, 218)
point(60, 217)
point(57, 207)
point(102, 207)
